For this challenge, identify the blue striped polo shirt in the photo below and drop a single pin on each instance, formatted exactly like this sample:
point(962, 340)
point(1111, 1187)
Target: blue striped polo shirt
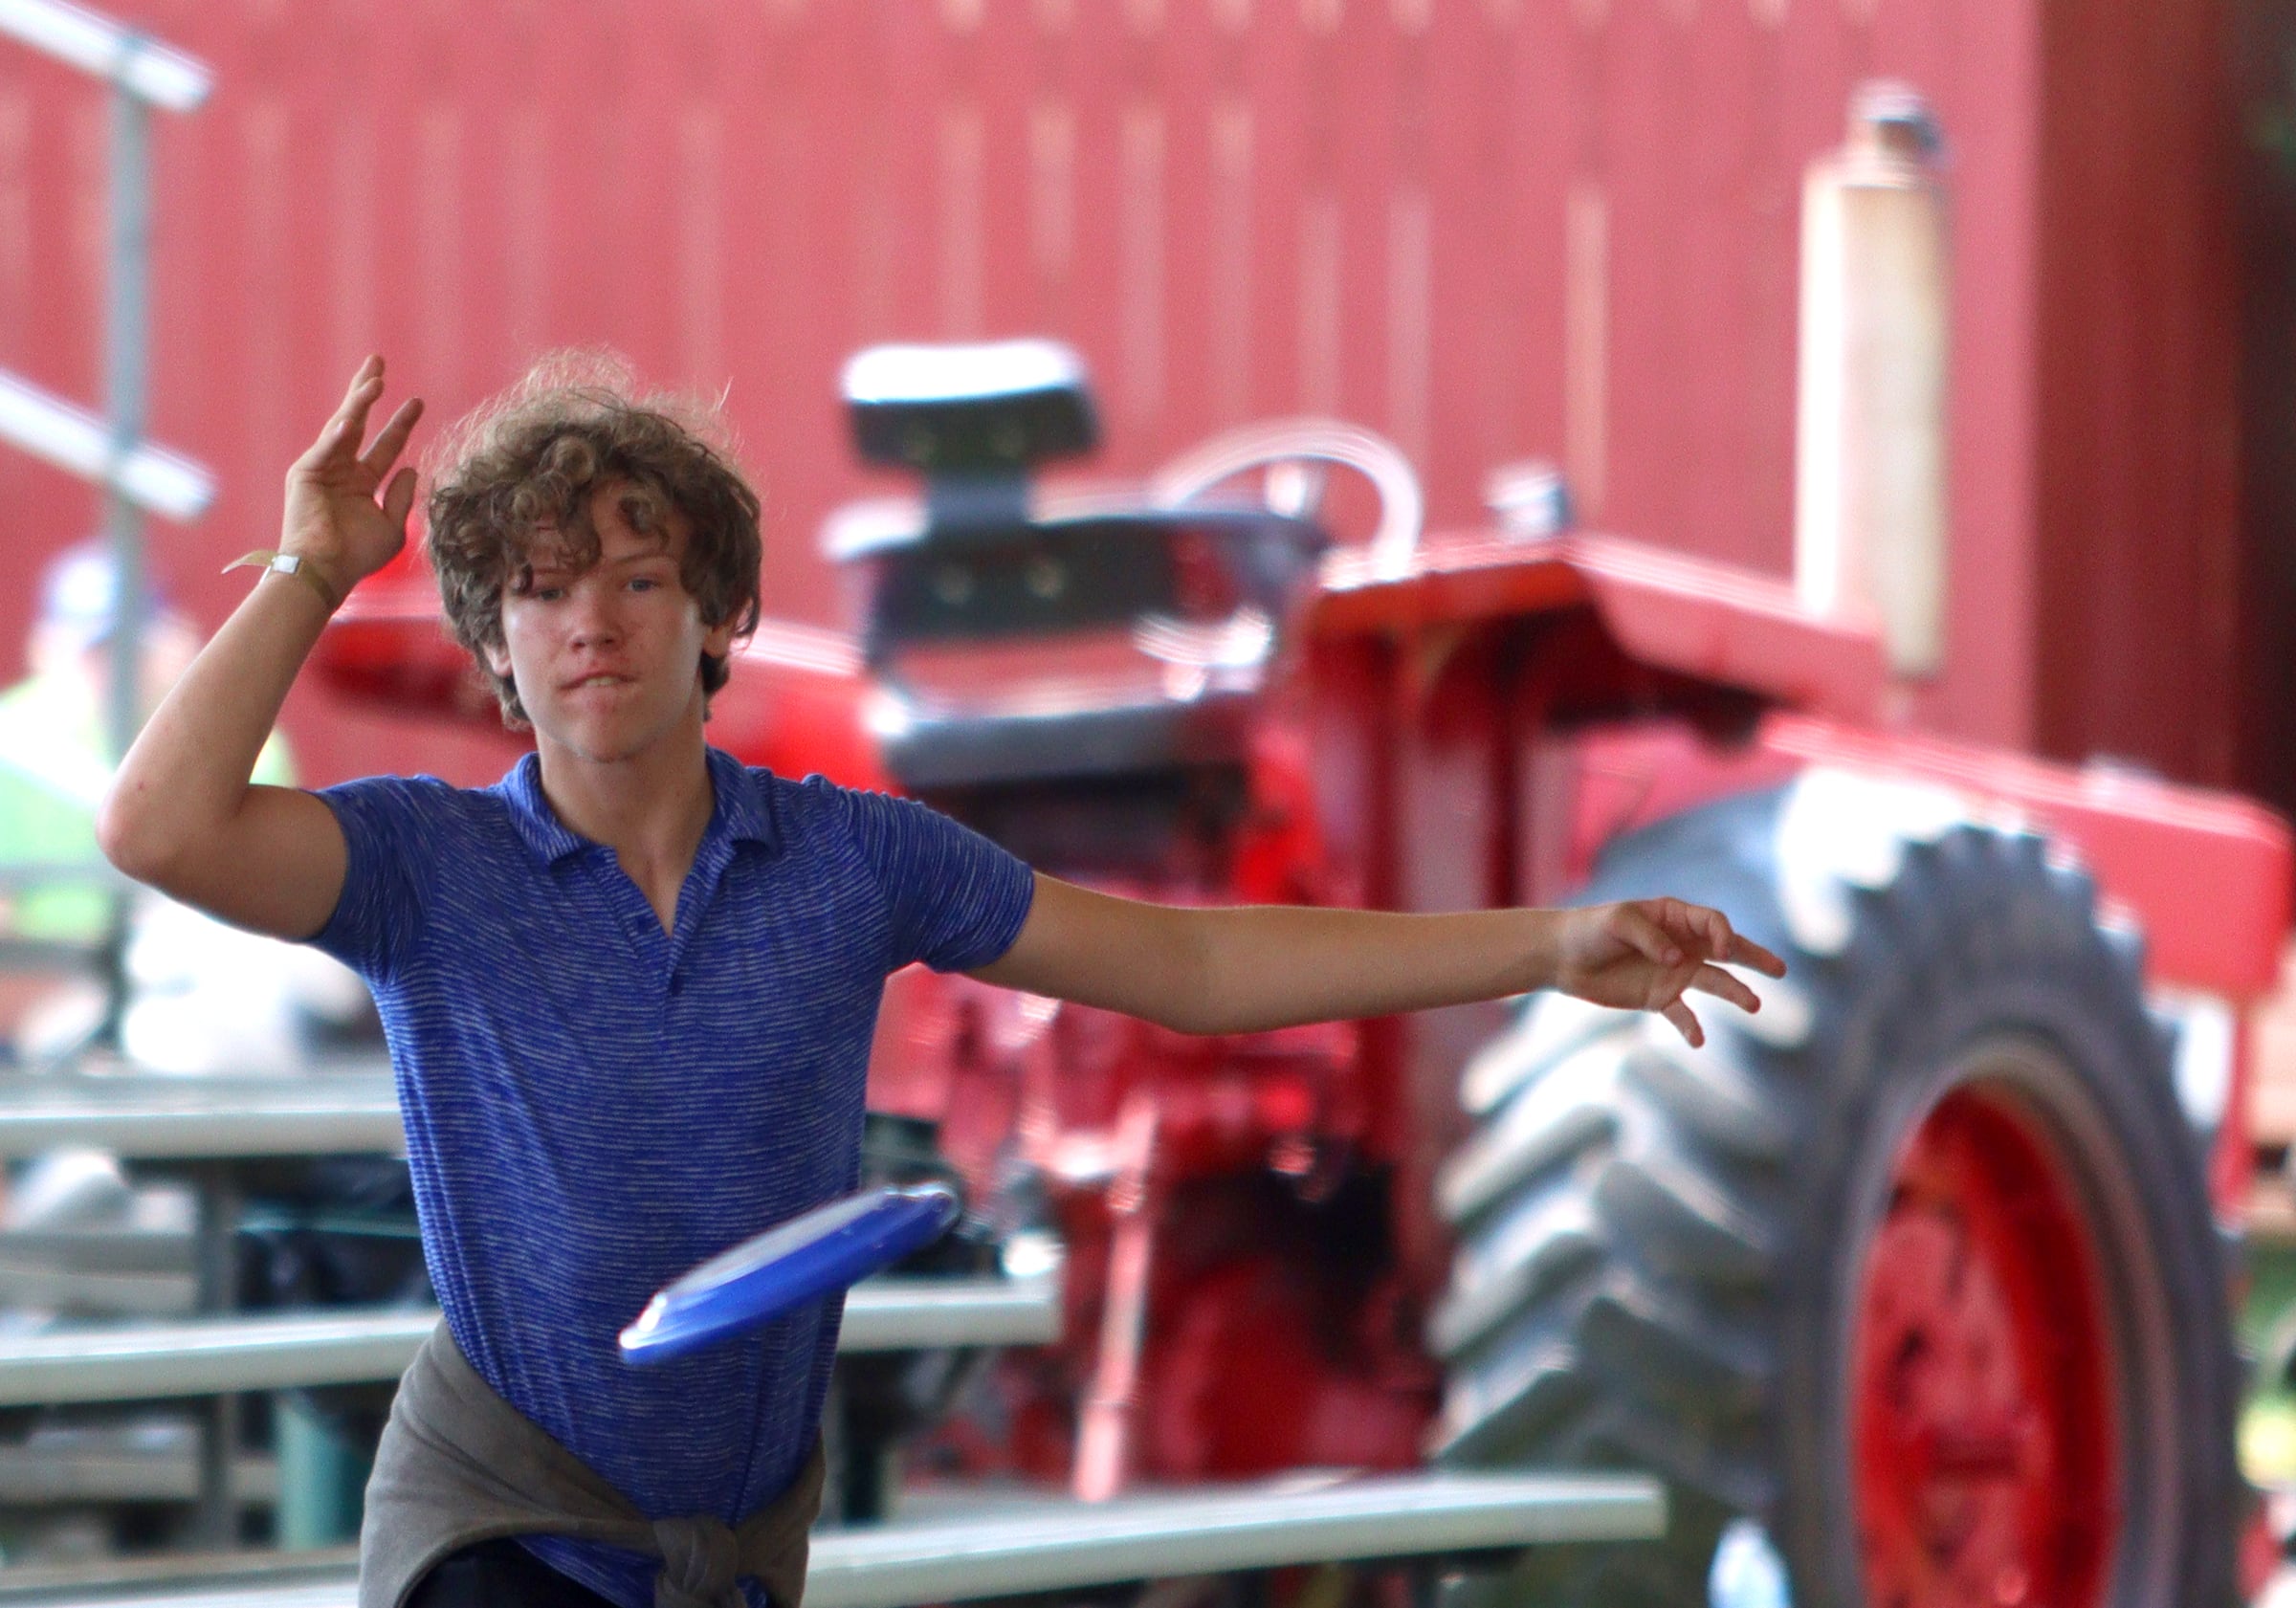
point(593, 1105)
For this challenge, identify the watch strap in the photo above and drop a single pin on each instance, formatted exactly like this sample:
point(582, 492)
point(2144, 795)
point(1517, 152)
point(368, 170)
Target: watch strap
point(289, 563)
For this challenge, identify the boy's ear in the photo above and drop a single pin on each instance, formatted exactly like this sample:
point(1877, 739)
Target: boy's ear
point(718, 641)
point(497, 659)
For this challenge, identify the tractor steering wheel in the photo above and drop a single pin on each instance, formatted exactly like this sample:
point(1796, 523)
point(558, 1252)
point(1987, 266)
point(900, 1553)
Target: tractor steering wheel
point(1295, 456)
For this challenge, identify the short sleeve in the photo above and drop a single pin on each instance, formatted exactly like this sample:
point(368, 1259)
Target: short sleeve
point(954, 899)
point(390, 833)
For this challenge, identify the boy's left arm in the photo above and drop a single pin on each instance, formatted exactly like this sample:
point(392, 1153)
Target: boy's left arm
point(1252, 967)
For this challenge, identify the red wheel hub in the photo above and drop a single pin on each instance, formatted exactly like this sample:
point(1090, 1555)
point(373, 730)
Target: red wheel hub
point(1983, 1422)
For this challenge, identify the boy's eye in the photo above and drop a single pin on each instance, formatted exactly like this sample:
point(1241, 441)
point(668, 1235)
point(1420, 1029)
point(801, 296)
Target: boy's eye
point(642, 583)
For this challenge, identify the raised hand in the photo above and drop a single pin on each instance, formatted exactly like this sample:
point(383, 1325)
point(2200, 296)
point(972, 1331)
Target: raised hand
point(1648, 954)
point(333, 520)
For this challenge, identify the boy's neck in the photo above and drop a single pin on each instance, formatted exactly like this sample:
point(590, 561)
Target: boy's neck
point(650, 807)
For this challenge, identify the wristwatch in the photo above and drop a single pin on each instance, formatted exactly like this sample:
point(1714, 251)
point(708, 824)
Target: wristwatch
point(289, 563)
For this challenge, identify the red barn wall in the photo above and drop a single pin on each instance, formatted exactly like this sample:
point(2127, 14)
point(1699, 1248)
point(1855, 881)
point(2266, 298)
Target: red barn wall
point(1493, 228)
point(2138, 625)
point(2265, 203)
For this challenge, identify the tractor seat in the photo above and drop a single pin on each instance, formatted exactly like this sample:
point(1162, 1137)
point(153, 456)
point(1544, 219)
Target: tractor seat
point(1093, 645)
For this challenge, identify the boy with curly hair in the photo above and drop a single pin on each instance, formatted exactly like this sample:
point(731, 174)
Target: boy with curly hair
point(630, 988)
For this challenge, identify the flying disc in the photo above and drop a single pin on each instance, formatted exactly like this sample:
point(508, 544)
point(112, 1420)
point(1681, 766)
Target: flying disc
point(781, 1270)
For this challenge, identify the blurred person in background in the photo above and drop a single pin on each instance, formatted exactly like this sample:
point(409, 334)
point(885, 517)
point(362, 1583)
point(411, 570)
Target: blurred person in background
point(200, 997)
point(56, 760)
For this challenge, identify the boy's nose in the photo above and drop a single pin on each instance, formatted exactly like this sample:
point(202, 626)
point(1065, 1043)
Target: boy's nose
point(594, 619)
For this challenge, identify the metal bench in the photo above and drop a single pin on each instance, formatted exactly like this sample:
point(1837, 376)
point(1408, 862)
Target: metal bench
point(123, 1462)
point(94, 1291)
point(203, 1129)
point(134, 1270)
point(1056, 1544)
point(344, 1110)
point(202, 1356)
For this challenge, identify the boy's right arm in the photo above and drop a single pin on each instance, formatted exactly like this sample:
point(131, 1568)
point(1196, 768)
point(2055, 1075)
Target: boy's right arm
point(181, 814)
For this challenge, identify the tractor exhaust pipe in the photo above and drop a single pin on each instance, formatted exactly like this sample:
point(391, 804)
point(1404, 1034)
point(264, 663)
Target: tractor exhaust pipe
point(1869, 515)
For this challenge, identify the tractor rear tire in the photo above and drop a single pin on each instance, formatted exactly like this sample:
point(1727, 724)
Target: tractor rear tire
point(1916, 1267)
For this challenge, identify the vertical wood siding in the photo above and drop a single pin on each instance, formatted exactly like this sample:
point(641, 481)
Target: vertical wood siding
point(1493, 228)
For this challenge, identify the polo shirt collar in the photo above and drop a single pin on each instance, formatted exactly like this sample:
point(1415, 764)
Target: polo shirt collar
point(743, 805)
point(742, 812)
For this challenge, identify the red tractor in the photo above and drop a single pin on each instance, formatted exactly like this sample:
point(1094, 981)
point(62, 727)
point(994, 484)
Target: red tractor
point(1920, 1271)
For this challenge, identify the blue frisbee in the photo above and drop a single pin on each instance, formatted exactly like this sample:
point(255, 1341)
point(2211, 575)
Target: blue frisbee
point(803, 1260)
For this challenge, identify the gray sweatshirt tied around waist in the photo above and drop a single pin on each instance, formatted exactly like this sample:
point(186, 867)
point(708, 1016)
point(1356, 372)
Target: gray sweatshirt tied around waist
point(458, 1465)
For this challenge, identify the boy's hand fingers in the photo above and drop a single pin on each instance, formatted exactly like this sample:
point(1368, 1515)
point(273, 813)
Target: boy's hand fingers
point(329, 445)
point(1629, 923)
point(392, 439)
point(368, 372)
point(1700, 926)
point(366, 385)
point(398, 499)
point(1745, 951)
point(1686, 1022)
point(1714, 981)
point(346, 425)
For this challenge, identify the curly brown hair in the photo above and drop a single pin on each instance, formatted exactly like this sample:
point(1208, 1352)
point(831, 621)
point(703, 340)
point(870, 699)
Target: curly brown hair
point(523, 468)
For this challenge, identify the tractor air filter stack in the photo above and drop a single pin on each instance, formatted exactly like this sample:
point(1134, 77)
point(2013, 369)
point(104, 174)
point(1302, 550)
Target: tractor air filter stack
point(1870, 470)
point(973, 420)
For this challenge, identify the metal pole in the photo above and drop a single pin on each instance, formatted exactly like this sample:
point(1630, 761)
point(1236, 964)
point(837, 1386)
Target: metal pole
point(142, 73)
point(128, 319)
point(126, 335)
point(215, 1517)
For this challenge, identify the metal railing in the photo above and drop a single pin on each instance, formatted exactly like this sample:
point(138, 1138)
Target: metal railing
point(282, 1351)
point(1032, 1544)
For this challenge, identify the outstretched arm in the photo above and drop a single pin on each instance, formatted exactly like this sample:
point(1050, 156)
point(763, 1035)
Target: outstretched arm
point(181, 814)
point(1253, 967)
